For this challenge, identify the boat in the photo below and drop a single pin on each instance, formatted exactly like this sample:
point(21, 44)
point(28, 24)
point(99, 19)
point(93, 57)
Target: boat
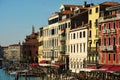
point(13, 73)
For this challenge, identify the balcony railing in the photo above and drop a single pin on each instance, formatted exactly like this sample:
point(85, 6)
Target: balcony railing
point(103, 48)
point(108, 31)
point(111, 48)
point(62, 38)
point(109, 16)
point(62, 49)
point(108, 48)
point(104, 31)
point(113, 30)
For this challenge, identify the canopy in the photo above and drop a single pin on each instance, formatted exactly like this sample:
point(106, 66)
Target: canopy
point(43, 61)
point(114, 69)
point(87, 70)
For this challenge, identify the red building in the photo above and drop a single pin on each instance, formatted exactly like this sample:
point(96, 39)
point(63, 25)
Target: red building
point(30, 48)
point(109, 34)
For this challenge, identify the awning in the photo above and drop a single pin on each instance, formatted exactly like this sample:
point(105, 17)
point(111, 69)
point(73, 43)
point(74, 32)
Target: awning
point(87, 70)
point(58, 64)
point(91, 66)
point(44, 64)
point(114, 68)
point(43, 61)
point(106, 67)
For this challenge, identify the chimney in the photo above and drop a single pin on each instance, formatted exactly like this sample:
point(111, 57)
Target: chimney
point(85, 3)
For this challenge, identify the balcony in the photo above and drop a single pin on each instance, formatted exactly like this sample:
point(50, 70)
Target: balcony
point(109, 17)
point(62, 38)
point(113, 30)
point(108, 31)
point(104, 31)
point(62, 49)
point(111, 48)
point(103, 48)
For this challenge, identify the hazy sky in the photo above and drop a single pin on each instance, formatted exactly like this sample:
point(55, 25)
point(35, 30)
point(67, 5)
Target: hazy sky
point(18, 16)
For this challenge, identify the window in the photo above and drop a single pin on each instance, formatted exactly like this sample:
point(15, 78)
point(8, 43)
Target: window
point(109, 57)
point(109, 25)
point(83, 33)
point(119, 24)
point(90, 34)
point(69, 24)
point(105, 41)
point(108, 41)
point(83, 47)
point(114, 57)
point(99, 42)
point(65, 25)
point(114, 25)
point(77, 64)
point(96, 22)
point(53, 32)
point(80, 34)
point(77, 48)
point(80, 47)
point(104, 26)
point(73, 35)
point(119, 40)
point(96, 33)
point(100, 28)
point(114, 41)
point(119, 58)
point(90, 11)
point(96, 10)
point(90, 23)
point(74, 48)
point(71, 48)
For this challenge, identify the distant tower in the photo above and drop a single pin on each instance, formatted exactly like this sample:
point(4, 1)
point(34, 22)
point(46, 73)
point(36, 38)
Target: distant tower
point(33, 29)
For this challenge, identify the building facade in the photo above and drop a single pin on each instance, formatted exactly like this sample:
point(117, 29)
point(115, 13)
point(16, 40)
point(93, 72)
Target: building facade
point(93, 41)
point(30, 48)
point(12, 52)
point(110, 36)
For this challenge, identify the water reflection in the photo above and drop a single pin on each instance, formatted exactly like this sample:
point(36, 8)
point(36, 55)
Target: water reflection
point(4, 76)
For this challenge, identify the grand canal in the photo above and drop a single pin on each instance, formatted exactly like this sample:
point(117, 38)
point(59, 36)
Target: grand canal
point(5, 76)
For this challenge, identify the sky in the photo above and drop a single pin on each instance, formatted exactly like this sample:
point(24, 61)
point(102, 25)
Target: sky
point(18, 16)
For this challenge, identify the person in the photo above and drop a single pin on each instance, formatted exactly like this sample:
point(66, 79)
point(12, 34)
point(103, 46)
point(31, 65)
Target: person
point(17, 76)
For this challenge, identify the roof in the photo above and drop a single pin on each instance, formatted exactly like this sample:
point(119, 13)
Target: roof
point(110, 3)
point(71, 6)
point(15, 45)
point(113, 8)
point(67, 12)
point(79, 14)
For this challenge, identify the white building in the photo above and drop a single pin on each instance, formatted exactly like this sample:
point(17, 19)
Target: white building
point(78, 49)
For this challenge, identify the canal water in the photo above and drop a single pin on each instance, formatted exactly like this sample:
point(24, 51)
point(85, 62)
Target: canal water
point(5, 76)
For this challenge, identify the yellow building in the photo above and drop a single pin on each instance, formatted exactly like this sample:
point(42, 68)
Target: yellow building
point(40, 46)
point(93, 16)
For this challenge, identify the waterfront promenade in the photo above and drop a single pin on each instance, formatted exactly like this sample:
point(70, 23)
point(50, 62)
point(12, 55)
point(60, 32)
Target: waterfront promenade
point(52, 73)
